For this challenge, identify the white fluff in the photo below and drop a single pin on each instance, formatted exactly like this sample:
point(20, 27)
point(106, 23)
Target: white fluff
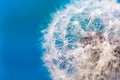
point(83, 41)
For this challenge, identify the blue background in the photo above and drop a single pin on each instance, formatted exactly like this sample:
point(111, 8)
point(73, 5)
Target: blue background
point(20, 37)
point(20, 48)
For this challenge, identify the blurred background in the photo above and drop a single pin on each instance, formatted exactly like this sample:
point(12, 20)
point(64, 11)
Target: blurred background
point(20, 39)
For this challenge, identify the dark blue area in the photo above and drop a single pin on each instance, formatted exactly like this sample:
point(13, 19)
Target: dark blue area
point(118, 1)
point(21, 22)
